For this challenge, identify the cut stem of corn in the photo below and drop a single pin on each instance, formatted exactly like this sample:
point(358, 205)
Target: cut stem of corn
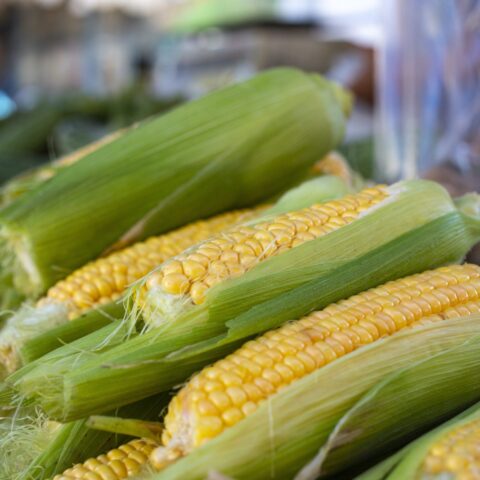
point(126, 426)
point(416, 227)
point(205, 157)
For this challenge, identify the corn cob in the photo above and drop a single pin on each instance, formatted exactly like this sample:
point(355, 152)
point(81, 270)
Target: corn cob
point(289, 435)
point(233, 388)
point(122, 462)
point(53, 230)
point(188, 277)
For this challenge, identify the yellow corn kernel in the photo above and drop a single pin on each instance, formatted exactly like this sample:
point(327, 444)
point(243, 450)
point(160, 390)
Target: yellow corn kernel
point(238, 249)
point(456, 454)
point(334, 164)
point(261, 367)
point(104, 280)
point(120, 463)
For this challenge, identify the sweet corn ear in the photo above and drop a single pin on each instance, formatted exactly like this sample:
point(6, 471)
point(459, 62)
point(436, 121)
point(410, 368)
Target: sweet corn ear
point(233, 388)
point(233, 252)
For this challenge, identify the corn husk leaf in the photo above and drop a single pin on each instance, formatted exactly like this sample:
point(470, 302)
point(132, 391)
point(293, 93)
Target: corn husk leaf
point(71, 355)
point(382, 469)
point(230, 149)
point(402, 406)
point(12, 401)
point(27, 181)
point(422, 232)
point(286, 431)
point(68, 332)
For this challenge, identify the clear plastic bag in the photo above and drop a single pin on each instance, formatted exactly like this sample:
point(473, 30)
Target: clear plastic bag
point(428, 87)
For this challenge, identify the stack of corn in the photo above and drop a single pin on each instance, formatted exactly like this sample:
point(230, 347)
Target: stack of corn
point(99, 285)
point(278, 285)
point(160, 178)
point(247, 383)
point(310, 334)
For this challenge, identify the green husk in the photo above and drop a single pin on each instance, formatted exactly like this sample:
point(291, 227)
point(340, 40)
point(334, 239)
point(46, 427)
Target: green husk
point(230, 149)
point(286, 431)
point(73, 354)
point(382, 469)
point(34, 331)
point(67, 356)
point(32, 178)
point(127, 426)
point(419, 230)
point(401, 406)
point(68, 332)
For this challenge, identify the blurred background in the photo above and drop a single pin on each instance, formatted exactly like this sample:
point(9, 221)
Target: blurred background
point(72, 71)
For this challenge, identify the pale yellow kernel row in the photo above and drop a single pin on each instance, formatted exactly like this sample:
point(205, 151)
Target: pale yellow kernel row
point(237, 250)
point(120, 463)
